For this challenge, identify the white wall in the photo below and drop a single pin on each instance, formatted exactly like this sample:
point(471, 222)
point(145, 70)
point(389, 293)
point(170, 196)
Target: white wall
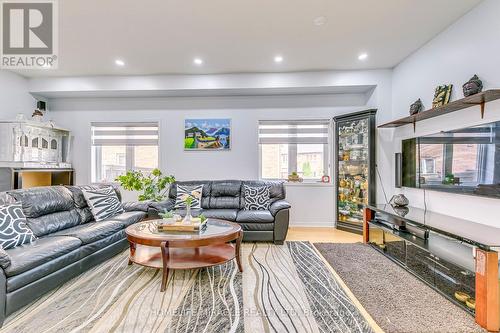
point(14, 96)
point(468, 47)
point(311, 205)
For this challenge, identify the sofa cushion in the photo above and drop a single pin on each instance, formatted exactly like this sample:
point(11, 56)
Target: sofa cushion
point(225, 194)
point(223, 214)
point(13, 228)
point(253, 216)
point(103, 202)
point(92, 231)
point(44, 269)
point(27, 256)
point(205, 195)
point(50, 223)
point(38, 201)
point(88, 249)
point(127, 218)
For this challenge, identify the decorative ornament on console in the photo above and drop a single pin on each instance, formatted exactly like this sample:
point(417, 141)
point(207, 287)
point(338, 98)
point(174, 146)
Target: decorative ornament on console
point(294, 177)
point(416, 107)
point(399, 200)
point(442, 95)
point(473, 86)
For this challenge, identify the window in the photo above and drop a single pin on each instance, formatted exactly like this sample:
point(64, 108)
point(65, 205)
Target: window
point(294, 146)
point(428, 165)
point(118, 147)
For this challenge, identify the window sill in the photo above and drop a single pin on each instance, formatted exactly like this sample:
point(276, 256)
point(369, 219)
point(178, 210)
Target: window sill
point(308, 184)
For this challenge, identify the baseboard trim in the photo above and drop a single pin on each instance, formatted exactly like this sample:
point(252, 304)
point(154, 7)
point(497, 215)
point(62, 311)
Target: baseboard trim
point(312, 224)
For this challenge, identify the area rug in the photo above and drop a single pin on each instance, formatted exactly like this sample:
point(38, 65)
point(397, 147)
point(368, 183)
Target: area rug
point(397, 300)
point(285, 288)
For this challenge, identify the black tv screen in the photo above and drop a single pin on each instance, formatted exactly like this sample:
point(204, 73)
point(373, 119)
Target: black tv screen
point(463, 161)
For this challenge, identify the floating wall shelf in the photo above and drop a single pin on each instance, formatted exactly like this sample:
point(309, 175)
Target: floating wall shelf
point(478, 99)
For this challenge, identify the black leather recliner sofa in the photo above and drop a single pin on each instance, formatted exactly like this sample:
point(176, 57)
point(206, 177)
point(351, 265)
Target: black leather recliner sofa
point(69, 242)
point(224, 199)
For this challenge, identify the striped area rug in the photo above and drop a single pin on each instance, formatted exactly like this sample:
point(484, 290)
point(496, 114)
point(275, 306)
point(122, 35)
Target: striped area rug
point(286, 288)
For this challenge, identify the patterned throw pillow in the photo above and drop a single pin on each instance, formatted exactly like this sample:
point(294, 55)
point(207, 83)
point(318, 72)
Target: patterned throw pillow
point(103, 202)
point(13, 228)
point(183, 192)
point(256, 197)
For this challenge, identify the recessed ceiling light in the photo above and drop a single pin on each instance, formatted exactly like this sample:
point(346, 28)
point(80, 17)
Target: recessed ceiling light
point(320, 20)
point(119, 62)
point(198, 61)
point(278, 58)
point(363, 56)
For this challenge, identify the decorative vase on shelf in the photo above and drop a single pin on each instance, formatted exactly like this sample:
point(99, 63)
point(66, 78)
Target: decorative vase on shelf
point(473, 86)
point(399, 200)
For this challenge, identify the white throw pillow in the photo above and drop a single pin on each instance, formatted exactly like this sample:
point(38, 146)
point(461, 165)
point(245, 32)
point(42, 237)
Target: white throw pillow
point(13, 228)
point(256, 197)
point(184, 191)
point(103, 202)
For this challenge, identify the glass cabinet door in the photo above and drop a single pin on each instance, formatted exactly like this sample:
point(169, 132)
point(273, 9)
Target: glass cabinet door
point(353, 170)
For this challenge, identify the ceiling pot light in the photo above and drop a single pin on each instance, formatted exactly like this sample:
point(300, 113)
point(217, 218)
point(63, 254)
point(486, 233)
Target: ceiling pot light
point(278, 59)
point(119, 62)
point(363, 56)
point(320, 20)
point(198, 61)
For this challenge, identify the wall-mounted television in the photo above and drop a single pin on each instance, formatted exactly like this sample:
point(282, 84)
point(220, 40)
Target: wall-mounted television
point(463, 161)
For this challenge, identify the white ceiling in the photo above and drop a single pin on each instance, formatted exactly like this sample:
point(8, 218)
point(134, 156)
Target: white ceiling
point(163, 36)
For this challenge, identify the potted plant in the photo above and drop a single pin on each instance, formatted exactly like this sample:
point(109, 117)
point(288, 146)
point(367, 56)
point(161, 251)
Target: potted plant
point(154, 186)
point(167, 217)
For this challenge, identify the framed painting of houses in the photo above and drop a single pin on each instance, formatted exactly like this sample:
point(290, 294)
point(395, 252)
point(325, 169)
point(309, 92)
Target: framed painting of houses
point(207, 134)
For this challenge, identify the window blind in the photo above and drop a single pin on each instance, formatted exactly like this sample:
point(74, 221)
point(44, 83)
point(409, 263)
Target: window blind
point(293, 131)
point(124, 134)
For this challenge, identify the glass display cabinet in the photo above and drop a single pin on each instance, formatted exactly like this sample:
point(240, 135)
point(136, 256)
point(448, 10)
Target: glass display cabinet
point(355, 168)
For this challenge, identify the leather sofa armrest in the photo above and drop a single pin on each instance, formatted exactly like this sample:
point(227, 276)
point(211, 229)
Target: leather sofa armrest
point(278, 205)
point(4, 258)
point(136, 206)
point(160, 207)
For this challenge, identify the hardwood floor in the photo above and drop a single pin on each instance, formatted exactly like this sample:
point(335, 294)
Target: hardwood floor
point(322, 235)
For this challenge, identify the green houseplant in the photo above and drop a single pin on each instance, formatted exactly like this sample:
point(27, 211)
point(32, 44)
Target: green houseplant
point(153, 186)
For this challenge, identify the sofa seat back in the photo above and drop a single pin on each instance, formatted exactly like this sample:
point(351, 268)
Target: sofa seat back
point(47, 209)
point(225, 194)
point(229, 194)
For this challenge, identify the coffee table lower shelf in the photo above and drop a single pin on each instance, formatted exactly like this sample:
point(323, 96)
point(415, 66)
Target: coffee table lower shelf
point(184, 258)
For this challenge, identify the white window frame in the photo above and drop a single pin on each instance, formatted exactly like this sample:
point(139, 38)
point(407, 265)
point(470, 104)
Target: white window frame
point(327, 154)
point(129, 150)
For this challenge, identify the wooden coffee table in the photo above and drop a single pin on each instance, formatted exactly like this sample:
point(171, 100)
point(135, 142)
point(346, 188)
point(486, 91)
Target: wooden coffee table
point(182, 250)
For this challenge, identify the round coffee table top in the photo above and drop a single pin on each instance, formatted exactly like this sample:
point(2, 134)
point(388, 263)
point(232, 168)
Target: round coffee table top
point(216, 231)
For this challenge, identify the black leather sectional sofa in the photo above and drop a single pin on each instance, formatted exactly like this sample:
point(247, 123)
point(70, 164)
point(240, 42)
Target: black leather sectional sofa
point(68, 242)
point(224, 199)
